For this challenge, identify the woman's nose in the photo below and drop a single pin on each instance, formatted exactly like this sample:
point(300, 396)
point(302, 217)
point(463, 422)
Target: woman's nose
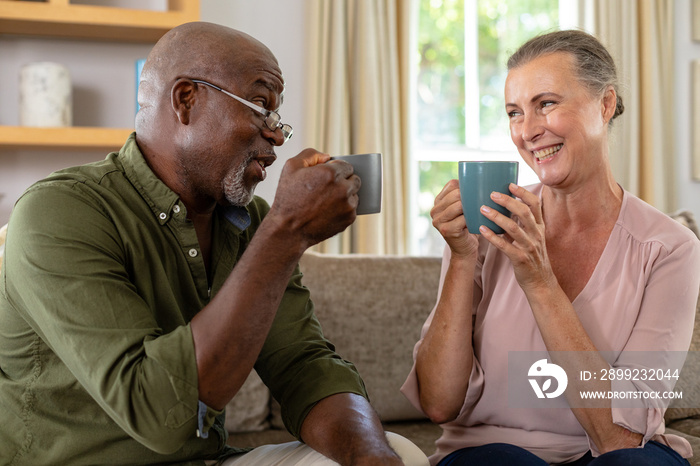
point(531, 128)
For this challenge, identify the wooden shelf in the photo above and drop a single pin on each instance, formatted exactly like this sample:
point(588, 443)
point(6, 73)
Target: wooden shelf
point(59, 18)
point(71, 138)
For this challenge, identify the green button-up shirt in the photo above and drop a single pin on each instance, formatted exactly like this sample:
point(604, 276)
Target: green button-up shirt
point(101, 277)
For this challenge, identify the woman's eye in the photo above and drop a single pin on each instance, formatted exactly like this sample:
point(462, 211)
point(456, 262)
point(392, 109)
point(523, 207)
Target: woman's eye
point(513, 114)
point(547, 103)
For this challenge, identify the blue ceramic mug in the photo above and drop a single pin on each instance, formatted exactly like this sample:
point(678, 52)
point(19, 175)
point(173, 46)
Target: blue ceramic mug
point(477, 180)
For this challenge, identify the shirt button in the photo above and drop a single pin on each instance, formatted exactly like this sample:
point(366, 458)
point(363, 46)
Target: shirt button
point(193, 252)
point(163, 216)
point(176, 209)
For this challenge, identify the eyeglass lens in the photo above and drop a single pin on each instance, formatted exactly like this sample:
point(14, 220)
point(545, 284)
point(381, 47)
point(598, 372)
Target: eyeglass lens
point(273, 122)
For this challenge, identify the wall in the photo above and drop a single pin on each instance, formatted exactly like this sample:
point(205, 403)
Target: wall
point(688, 190)
point(103, 78)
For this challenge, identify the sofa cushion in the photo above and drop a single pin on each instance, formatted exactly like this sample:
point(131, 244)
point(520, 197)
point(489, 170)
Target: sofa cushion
point(372, 309)
point(689, 430)
point(249, 410)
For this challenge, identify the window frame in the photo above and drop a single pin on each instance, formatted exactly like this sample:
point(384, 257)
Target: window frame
point(572, 14)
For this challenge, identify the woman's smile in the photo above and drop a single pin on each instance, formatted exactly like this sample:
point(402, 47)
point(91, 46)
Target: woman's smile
point(547, 153)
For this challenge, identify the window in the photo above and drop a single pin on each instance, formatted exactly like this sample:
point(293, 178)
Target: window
point(459, 75)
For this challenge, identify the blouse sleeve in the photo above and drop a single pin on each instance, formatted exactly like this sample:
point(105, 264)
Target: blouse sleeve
point(660, 338)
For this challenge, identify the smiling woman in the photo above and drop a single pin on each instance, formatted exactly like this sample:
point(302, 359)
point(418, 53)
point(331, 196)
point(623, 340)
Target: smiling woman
point(584, 276)
point(554, 117)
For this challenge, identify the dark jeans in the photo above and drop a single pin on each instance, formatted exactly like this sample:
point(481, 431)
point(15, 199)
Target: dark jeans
point(503, 454)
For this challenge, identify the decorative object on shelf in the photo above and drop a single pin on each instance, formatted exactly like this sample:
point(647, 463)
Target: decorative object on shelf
point(45, 95)
point(139, 66)
point(65, 18)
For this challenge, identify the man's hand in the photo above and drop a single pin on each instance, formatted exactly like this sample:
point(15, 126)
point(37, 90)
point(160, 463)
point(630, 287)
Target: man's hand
point(345, 428)
point(314, 198)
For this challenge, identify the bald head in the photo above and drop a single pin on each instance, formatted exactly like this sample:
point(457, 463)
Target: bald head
point(198, 141)
point(195, 50)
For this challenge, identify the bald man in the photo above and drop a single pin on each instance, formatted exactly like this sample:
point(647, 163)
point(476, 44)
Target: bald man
point(138, 293)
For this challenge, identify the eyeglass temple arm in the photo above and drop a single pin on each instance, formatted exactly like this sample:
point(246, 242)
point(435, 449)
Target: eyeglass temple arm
point(257, 108)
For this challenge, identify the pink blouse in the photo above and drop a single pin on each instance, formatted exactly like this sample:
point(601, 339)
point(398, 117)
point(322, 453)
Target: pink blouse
point(642, 295)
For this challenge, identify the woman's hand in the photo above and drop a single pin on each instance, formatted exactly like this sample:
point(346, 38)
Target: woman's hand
point(524, 239)
point(449, 220)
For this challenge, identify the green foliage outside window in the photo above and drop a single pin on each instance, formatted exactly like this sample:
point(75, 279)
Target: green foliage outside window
point(441, 71)
point(501, 26)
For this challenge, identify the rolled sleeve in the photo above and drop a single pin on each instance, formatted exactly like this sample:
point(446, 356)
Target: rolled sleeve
point(662, 332)
point(206, 417)
point(660, 340)
point(298, 364)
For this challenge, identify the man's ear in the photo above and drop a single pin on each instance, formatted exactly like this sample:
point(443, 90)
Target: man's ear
point(182, 97)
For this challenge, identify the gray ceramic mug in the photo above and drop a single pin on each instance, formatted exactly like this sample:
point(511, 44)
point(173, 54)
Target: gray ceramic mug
point(477, 180)
point(369, 168)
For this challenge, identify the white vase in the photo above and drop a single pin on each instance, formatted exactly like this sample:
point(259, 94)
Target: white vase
point(45, 95)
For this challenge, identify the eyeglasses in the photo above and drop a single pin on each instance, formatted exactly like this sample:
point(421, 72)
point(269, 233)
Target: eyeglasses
point(272, 119)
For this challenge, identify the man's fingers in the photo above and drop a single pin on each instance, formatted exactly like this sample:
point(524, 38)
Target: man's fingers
point(342, 168)
point(308, 158)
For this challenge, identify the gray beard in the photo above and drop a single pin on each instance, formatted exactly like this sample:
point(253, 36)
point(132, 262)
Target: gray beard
point(234, 188)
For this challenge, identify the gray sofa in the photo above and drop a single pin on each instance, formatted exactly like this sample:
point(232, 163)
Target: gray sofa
point(372, 308)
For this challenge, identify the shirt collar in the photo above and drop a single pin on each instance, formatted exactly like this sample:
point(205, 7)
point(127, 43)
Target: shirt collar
point(160, 198)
